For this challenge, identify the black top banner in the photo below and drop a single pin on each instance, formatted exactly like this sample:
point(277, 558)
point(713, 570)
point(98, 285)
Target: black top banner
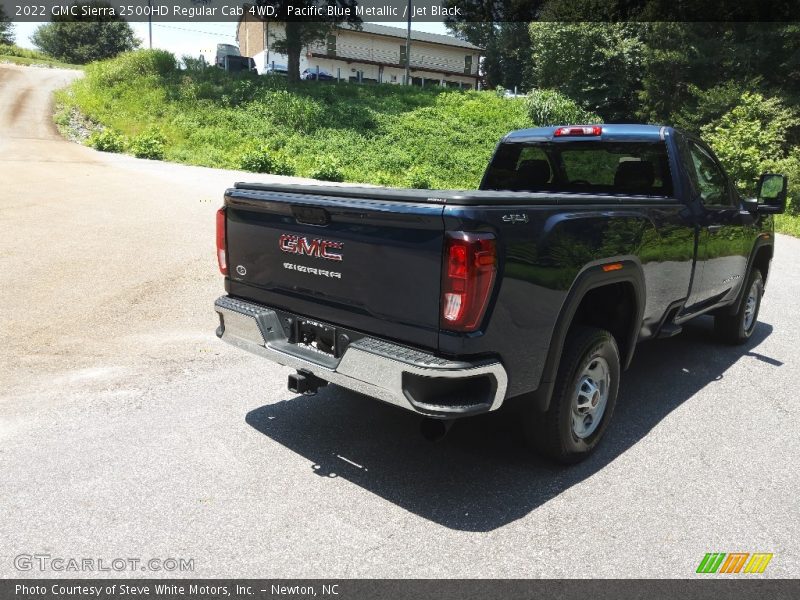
point(474, 11)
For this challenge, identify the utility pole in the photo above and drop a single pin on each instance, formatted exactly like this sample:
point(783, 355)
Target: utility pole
point(266, 45)
point(408, 46)
point(150, 21)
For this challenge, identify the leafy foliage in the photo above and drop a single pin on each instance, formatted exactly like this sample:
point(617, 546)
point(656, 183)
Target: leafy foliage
point(750, 138)
point(372, 134)
point(148, 145)
point(506, 45)
point(26, 56)
point(107, 140)
point(6, 29)
point(263, 160)
point(549, 107)
point(327, 170)
point(417, 178)
point(598, 65)
point(79, 39)
point(12, 50)
point(144, 63)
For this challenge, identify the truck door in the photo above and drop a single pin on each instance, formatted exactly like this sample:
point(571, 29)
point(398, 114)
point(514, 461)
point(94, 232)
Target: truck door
point(724, 229)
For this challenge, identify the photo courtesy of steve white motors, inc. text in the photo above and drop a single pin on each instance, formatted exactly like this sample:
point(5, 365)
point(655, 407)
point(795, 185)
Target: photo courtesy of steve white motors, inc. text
point(160, 590)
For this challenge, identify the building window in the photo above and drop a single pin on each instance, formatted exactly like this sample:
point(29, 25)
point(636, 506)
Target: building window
point(468, 64)
point(331, 46)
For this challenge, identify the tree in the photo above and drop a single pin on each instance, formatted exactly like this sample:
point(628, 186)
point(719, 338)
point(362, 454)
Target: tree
point(300, 32)
point(506, 47)
point(751, 137)
point(691, 71)
point(596, 64)
point(6, 29)
point(82, 39)
point(500, 27)
point(548, 107)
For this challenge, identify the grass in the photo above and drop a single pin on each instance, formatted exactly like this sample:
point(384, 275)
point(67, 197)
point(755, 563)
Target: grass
point(788, 224)
point(23, 56)
point(379, 134)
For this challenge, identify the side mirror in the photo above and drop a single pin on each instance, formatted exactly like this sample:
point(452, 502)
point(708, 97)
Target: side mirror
point(771, 193)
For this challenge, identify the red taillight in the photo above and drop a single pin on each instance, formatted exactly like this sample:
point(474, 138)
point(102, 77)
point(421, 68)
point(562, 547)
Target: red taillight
point(580, 130)
point(467, 279)
point(222, 258)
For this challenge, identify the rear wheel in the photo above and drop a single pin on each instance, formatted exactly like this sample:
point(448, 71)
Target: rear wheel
point(737, 328)
point(584, 396)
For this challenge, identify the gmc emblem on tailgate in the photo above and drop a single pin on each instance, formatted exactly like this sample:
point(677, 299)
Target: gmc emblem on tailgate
point(294, 244)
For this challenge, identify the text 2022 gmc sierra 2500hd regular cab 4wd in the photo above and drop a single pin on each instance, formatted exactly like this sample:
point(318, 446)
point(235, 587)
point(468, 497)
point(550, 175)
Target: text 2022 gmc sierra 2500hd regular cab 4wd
point(580, 242)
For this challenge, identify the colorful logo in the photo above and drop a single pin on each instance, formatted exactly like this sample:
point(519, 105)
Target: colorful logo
point(734, 562)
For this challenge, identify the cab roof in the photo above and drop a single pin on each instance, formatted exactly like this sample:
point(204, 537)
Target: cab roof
point(608, 133)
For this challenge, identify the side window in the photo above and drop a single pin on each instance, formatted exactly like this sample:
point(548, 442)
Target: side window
point(708, 176)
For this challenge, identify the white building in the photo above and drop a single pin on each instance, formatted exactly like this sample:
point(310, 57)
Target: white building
point(371, 54)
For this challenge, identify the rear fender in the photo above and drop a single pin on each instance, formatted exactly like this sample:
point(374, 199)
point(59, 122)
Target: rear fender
point(592, 277)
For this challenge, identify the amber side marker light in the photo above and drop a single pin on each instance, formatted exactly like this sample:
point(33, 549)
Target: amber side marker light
point(612, 267)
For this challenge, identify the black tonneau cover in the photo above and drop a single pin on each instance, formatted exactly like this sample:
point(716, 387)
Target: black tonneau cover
point(448, 197)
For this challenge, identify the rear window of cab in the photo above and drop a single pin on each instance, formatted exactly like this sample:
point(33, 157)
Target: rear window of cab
point(634, 168)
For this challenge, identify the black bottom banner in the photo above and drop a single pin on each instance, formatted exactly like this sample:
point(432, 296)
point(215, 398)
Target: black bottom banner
point(400, 589)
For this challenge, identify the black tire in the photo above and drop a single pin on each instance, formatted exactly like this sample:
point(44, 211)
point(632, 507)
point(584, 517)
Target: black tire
point(737, 328)
point(553, 433)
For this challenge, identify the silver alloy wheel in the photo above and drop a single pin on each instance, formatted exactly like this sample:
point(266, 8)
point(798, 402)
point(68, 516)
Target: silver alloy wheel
point(750, 307)
point(591, 397)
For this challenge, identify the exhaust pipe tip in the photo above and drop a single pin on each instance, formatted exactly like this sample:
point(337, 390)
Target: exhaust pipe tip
point(435, 430)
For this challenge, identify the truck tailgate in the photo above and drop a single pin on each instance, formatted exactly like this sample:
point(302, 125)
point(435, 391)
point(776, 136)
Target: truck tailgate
point(367, 264)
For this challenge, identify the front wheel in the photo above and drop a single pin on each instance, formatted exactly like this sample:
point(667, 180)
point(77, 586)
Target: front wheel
point(584, 396)
point(737, 328)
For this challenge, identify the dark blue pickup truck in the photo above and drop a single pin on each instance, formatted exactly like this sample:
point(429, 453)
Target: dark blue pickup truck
point(580, 242)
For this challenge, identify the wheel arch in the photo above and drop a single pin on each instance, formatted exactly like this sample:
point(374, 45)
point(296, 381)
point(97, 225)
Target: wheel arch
point(760, 258)
point(610, 299)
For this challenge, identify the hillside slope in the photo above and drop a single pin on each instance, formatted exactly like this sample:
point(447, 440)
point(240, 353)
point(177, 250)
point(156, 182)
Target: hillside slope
point(380, 134)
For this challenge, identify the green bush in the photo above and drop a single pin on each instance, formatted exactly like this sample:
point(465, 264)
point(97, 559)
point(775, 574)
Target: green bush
point(148, 145)
point(12, 50)
point(264, 160)
point(127, 67)
point(548, 107)
point(106, 140)
point(708, 106)
point(417, 179)
point(327, 170)
point(789, 166)
point(751, 138)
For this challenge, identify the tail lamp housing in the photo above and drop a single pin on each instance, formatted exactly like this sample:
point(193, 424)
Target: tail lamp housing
point(468, 275)
point(222, 258)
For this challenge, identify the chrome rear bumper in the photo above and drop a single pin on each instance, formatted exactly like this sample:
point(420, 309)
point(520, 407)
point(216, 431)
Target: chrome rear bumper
point(408, 378)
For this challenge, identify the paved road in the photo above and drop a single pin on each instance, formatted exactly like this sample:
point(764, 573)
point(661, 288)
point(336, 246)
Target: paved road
point(128, 430)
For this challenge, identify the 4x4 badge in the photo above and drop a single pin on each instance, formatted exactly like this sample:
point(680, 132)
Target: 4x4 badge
point(516, 218)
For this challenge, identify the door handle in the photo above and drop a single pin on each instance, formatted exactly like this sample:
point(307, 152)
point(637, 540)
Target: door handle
point(714, 228)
